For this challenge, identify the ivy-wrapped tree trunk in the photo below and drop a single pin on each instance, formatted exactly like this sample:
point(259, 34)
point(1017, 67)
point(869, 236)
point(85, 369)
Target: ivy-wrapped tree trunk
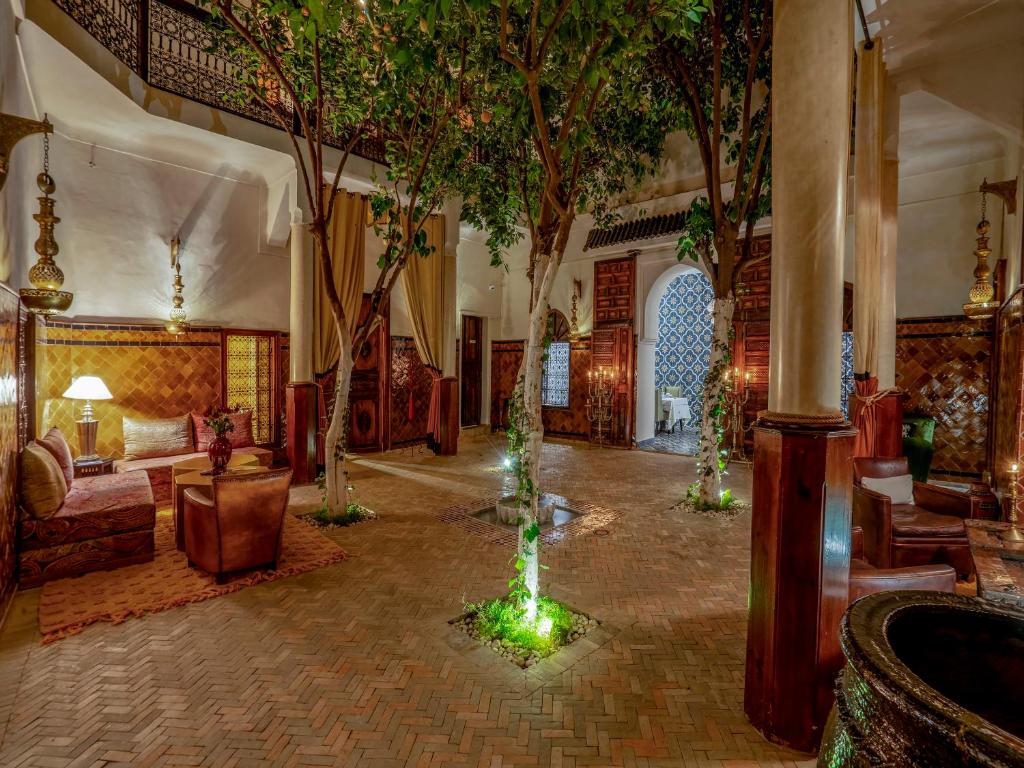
point(715, 383)
point(346, 71)
point(721, 74)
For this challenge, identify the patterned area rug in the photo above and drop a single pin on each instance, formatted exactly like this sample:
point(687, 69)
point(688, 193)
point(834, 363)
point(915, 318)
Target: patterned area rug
point(67, 606)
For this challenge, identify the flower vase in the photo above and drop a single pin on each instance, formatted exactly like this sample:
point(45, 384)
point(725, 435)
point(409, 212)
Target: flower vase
point(219, 452)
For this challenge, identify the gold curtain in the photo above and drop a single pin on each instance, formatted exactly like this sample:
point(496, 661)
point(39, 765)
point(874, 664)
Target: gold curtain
point(347, 239)
point(423, 284)
point(868, 207)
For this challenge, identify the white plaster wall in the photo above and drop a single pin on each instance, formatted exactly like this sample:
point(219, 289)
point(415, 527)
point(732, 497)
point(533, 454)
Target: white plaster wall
point(16, 225)
point(119, 213)
point(937, 219)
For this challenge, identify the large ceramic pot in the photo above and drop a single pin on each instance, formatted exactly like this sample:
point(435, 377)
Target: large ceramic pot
point(931, 680)
point(219, 452)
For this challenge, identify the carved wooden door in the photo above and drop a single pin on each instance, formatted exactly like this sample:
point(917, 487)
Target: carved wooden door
point(368, 402)
point(471, 368)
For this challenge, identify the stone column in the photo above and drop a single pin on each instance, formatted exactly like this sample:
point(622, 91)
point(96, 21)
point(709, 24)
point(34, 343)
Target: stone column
point(301, 393)
point(800, 552)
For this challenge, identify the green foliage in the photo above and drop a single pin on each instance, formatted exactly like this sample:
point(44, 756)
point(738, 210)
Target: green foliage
point(720, 72)
point(503, 619)
point(726, 500)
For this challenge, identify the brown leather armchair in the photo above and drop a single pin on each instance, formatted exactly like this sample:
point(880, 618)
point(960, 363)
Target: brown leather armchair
point(241, 526)
point(931, 530)
point(865, 579)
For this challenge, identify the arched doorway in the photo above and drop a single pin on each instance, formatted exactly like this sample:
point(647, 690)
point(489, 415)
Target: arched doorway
point(677, 308)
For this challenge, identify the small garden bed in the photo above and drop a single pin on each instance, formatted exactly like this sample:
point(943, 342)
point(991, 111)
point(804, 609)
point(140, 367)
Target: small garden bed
point(354, 513)
point(727, 508)
point(501, 626)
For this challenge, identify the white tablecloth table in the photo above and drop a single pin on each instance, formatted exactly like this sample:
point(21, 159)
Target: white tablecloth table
point(676, 409)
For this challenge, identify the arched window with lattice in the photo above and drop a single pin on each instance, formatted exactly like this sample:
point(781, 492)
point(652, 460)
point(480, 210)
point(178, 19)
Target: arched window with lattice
point(554, 385)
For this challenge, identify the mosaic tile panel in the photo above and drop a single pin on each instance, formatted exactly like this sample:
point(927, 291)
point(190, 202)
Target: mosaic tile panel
point(150, 373)
point(684, 337)
point(943, 364)
point(846, 383)
point(8, 443)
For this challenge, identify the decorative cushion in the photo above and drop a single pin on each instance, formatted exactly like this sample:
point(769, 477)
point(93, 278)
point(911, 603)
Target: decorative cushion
point(54, 442)
point(240, 437)
point(915, 522)
point(899, 488)
point(97, 506)
point(42, 485)
point(147, 438)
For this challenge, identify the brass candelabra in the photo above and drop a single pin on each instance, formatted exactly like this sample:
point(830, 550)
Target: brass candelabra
point(735, 403)
point(600, 395)
point(1013, 533)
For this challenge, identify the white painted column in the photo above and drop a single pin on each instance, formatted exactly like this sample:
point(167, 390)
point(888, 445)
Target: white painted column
point(452, 211)
point(811, 70)
point(300, 318)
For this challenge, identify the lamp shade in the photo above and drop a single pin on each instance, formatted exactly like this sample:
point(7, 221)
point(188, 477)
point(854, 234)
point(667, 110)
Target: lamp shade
point(88, 388)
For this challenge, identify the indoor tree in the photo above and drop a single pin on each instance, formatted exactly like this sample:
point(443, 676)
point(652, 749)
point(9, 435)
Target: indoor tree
point(579, 119)
point(720, 71)
point(335, 72)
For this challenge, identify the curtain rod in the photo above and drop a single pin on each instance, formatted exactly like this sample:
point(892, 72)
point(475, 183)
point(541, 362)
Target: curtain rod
point(868, 42)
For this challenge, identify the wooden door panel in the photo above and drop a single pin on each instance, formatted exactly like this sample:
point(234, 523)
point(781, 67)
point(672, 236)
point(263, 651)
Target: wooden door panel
point(369, 404)
point(471, 367)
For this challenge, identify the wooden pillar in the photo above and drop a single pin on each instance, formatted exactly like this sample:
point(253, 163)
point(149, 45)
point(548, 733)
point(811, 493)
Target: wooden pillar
point(800, 550)
point(301, 393)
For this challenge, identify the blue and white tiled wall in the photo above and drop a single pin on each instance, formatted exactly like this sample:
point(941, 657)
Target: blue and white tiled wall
point(684, 337)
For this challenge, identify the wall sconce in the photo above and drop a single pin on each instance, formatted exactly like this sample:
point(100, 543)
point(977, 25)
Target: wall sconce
point(45, 297)
point(177, 322)
point(577, 294)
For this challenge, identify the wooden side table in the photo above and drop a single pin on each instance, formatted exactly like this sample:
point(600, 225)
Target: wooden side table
point(101, 466)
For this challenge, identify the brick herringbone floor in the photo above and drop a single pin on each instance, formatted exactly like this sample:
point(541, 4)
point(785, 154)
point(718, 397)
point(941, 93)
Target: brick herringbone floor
point(356, 665)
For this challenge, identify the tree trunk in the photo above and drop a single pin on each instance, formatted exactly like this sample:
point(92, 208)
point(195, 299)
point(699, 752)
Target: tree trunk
point(336, 440)
point(710, 476)
point(531, 424)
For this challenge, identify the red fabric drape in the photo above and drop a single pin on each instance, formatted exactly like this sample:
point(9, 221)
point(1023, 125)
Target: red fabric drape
point(434, 414)
point(866, 419)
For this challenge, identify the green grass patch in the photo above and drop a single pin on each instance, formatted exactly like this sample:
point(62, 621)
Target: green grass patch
point(726, 501)
point(501, 620)
point(354, 513)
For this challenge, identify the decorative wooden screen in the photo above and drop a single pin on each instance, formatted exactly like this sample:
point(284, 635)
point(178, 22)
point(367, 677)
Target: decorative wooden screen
point(614, 290)
point(250, 375)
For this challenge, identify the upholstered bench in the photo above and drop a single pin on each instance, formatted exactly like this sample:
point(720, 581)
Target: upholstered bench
point(155, 445)
point(99, 523)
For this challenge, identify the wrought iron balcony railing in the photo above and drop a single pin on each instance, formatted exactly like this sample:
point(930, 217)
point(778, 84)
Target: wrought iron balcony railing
point(166, 43)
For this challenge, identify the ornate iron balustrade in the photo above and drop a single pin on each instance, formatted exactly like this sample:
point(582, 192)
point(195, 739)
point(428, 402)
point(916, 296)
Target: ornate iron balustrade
point(166, 42)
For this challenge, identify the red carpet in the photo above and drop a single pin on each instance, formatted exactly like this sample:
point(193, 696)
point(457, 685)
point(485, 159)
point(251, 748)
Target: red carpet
point(67, 606)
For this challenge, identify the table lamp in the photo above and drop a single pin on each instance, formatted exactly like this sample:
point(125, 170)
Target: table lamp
point(87, 388)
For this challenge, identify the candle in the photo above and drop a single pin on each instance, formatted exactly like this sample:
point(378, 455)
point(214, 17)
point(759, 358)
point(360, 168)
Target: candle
point(746, 376)
point(1013, 469)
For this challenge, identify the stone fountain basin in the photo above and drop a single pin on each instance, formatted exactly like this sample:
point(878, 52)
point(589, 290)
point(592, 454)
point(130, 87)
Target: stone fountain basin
point(931, 679)
point(507, 510)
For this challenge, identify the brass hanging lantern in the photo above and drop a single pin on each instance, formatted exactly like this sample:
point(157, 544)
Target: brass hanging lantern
point(45, 297)
point(177, 322)
point(982, 304)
